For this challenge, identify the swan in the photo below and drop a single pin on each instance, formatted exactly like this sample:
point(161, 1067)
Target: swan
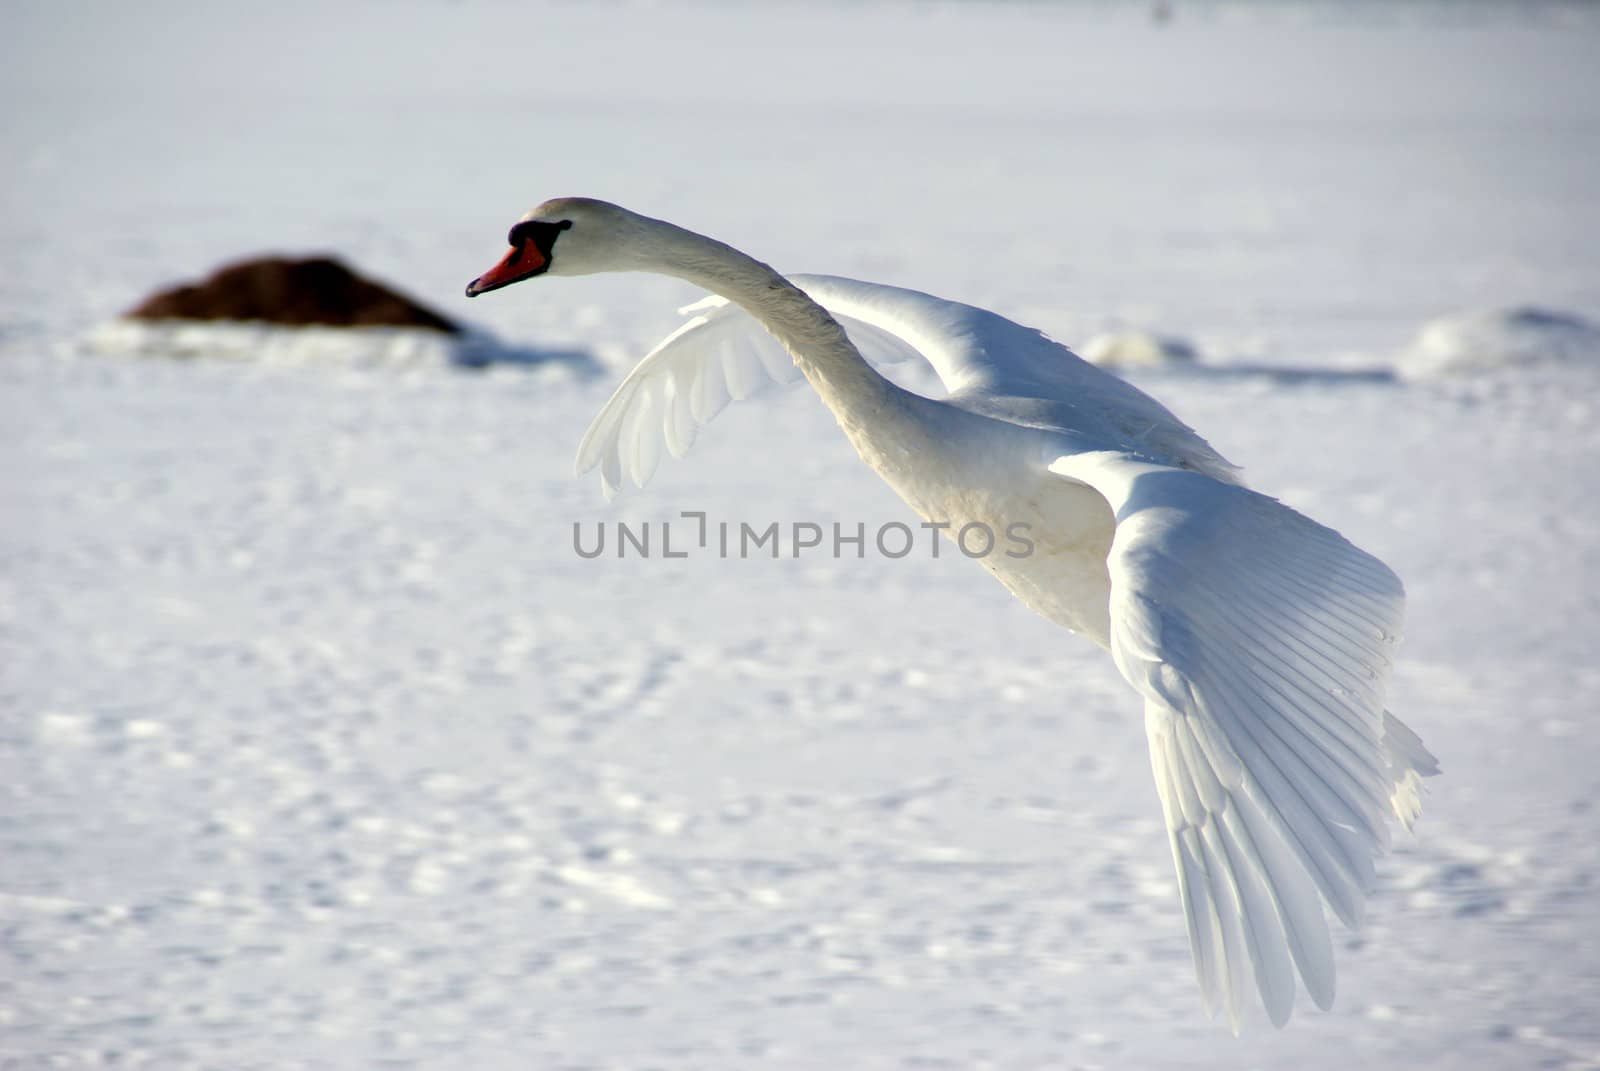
point(1258, 639)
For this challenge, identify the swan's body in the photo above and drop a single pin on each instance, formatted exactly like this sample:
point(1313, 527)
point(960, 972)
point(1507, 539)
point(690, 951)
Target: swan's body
point(1258, 639)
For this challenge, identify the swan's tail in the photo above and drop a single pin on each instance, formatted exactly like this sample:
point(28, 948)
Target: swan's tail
point(1409, 762)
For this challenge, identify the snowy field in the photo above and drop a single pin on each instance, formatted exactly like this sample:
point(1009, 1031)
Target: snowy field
point(320, 747)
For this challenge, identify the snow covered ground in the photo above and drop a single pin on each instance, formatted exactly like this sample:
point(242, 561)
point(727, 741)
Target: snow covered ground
point(319, 746)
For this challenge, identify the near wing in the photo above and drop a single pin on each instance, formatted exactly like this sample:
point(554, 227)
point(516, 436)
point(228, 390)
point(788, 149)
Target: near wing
point(1260, 641)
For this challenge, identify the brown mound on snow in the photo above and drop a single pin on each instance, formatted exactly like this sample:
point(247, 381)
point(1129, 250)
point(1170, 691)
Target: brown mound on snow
point(318, 290)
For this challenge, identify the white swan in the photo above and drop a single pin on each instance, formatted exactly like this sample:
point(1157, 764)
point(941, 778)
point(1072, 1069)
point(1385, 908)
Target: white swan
point(1259, 639)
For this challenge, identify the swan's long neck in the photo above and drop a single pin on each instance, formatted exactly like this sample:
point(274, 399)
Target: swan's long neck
point(848, 385)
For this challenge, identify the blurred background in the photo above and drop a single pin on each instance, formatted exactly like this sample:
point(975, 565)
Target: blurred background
point(321, 748)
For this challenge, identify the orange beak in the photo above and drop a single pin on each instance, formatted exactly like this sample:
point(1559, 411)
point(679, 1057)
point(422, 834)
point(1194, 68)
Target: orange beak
point(523, 261)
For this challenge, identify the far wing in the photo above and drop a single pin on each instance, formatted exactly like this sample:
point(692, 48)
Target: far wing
point(1260, 641)
point(1012, 372)
point(720, 354)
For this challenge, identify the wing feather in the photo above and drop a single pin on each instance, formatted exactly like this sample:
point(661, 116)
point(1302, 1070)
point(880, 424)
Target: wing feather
point(642, 438)
point(679, 426)
point(720, 354)
point(710, 392)
point(1260, 641)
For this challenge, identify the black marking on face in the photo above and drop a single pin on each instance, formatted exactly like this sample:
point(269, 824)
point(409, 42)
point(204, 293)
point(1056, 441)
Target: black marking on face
point(542, 234)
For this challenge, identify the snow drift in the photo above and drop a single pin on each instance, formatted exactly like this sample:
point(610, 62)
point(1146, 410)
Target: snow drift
point(1488, 340)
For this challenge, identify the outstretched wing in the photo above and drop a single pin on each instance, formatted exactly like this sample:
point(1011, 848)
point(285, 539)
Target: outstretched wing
point(1260, 641)
point(1000, 367)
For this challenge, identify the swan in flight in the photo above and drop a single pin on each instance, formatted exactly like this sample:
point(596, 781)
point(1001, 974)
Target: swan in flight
point(1259, 640)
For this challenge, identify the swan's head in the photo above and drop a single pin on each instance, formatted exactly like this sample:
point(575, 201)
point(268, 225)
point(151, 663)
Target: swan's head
point(567, 236)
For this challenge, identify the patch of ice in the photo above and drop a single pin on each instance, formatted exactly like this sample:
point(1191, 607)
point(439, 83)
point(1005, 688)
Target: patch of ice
point(1137, 349)
point(279, 344)
point(15, 904)
point(623, 888)
point(62, 728)
point(1487, 340)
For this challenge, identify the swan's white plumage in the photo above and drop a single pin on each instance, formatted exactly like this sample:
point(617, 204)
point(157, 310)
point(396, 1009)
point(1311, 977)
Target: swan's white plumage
point(1258, 639)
